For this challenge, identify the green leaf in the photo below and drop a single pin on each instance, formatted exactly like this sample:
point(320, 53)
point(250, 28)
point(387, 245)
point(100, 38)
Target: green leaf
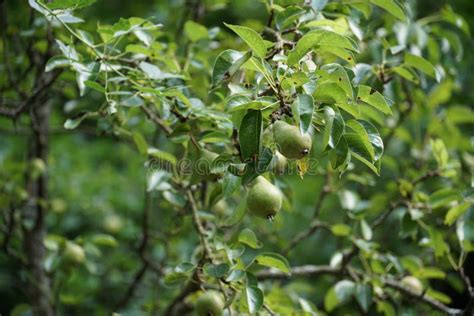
point(443, 197)
point(335, 73)
point(273, 260)
point(455, 19)
point(250, 135)
point(69, 4)
point(333, 127)
point(305, 106)
point(340, 155)
point(175, 279)
point(339, 294)
point(440, 152)
point(184, 267)
point(366, 230)
point(455, 212)
point(374, 167)
point(296, 80)
point(422, 64)
point(441, 93)
point(286, 17)
point(248, 237)
point(86, 37)
point(162, 156)
point(374, 138)
point(391, 7)
point(319, 38)
point(437, 242)
point(373, 98)
point(74, 122)
point(386, 308)
point(94, 85)
point(195, 31)
point(238, 213)
point(407, 73)
point(252, 38)
point(364, 7)
point(152, 71)
point(258, 104)
point(56, 62)
point(360, 144)
point(254, 298)
point(440, 296)
point(235, 275)
point(140, 142)
point(255, 168)
point(341, 230)
point(342, 53)
point(105, 240)
point(429, 273)
point(230, 183)
point(85, 73)
point(216, 270)
point(363, 295)
point(227, 64)
point(330, 93)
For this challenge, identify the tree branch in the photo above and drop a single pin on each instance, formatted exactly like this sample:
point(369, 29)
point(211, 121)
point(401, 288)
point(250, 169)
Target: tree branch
point(422, 298)
point(41, 88)
point(301, 271)
point(315, 224)
point(158, 121)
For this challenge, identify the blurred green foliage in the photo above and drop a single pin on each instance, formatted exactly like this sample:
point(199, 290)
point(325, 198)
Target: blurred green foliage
point(97, 176)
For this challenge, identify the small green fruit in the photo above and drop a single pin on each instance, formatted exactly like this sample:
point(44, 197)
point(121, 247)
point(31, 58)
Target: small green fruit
point(37, 168)
point(289, 140)
point(210, 304)
point(74, 253)
point(221, 207)
point(58, 206)
point(113, 223)
point(412, 283)
point(279, 163)
point(264, 199)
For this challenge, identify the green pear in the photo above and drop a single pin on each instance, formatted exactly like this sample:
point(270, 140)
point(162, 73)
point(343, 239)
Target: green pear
point(210, 304)
point(279, 163)
point(289, 140)
point(221, 207)
point(74, 253)
point(264, 199)
point(412, 284)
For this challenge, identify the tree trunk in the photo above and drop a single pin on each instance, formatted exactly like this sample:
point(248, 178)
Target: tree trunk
point(35, 226)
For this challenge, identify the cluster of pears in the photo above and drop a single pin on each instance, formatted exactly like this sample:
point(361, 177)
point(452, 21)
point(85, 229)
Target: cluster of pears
point(264, 199)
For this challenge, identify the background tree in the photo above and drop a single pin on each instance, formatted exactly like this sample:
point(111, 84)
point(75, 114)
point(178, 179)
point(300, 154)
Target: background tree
point(131, 148)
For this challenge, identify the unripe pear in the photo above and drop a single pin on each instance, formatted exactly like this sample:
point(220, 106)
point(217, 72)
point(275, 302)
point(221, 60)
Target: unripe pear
point(210, 304)
point(37, 168)
point(289, 140)
point(264, 199)
point(279, 163)
point(221, 207)
point(412, 283)
point(113, 223)
point(74, 253)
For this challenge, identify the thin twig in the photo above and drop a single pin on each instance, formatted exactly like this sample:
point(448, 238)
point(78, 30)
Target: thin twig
point(300, 271)
point(315, 224)
point(152, 116)
point(422, 298)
